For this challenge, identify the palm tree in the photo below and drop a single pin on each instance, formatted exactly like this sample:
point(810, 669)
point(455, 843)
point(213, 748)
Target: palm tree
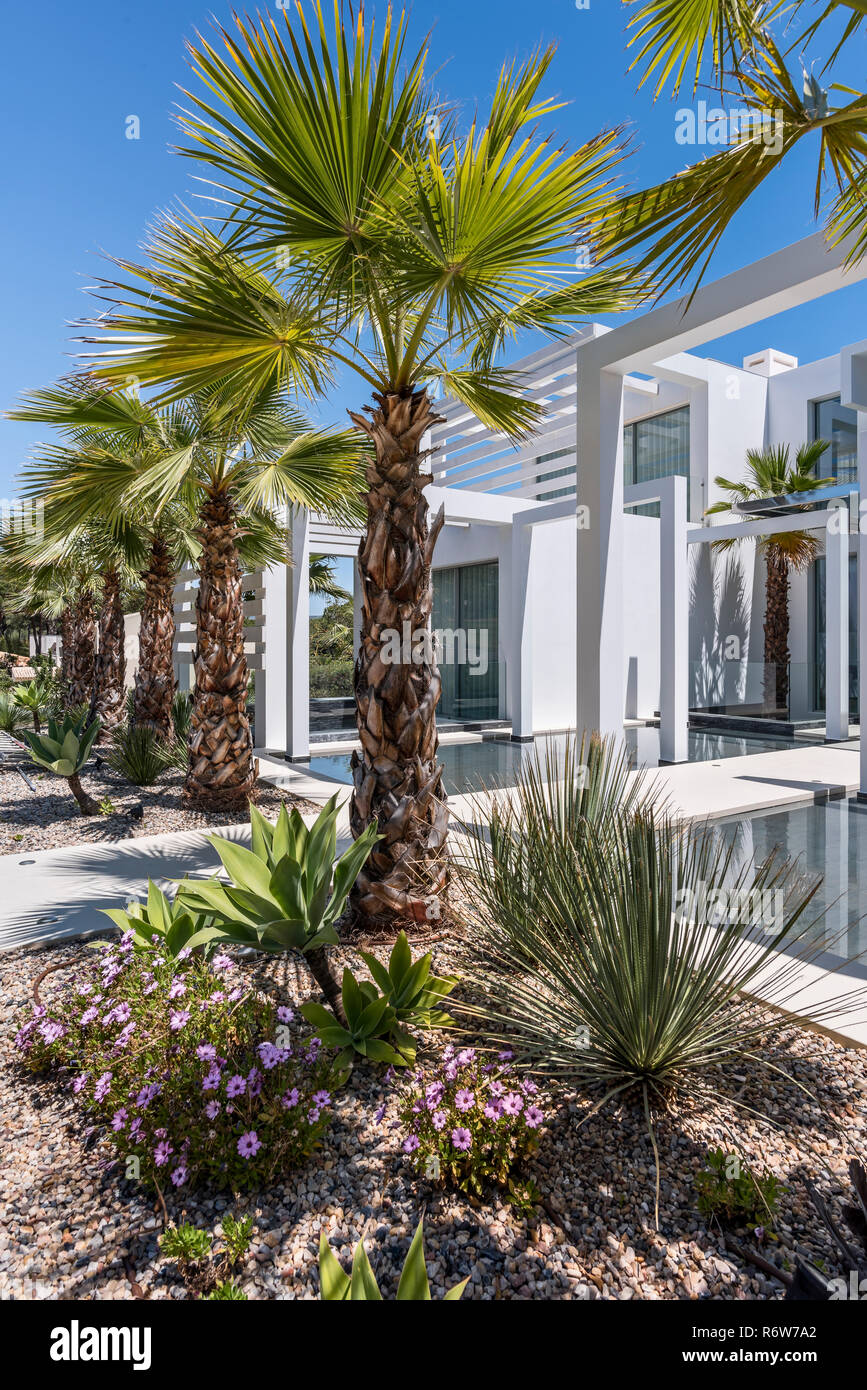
point(224, 465)
point(770, 474)
point(409, 254)
point(730, 49)
point(323, 579)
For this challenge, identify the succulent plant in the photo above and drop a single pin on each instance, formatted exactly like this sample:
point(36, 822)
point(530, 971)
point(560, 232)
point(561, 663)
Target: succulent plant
point(64, 749)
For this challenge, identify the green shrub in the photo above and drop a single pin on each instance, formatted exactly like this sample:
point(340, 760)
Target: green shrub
point(64, 749)
point(729, 1190)
point(139, 755)
point(470, 1121)
point(12, 716)
point(178, 1061)
point(186, 1244)
point(361, 1285)
point(332, 680)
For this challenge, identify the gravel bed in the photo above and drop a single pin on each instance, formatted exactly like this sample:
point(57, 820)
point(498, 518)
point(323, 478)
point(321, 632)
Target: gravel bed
point(71, 1227)
point(48, 817)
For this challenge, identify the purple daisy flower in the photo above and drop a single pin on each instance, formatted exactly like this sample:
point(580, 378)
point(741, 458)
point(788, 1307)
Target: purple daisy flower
point(533, 1116)
point(465, 1100)
point(235, 1086)
point(178, 1018)
point(438, 1119)
point(162, 1153)
point(179, 1175)
point(461, 1139)
point(512, 1103)
point(410, 1144)
point(249, 1144)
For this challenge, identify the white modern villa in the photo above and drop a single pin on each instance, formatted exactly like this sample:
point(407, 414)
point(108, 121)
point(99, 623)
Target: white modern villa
point(574, 582)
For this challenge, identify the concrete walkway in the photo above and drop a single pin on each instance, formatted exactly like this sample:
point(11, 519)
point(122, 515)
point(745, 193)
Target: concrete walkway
point(761, 781)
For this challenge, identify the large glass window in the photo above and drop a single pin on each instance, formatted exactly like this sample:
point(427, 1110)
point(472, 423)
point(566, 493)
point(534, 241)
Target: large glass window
point(839, 425)
point(656, 448)
point(819, 634)
point(466, 611)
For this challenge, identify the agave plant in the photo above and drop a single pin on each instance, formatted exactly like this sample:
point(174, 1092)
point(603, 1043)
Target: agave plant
point(64, 750)
point(669, 963)
point(160, 924)
point(523, 866)
point(284, 893)
point(361, 1285)
point(30, 699)
point(410, 994)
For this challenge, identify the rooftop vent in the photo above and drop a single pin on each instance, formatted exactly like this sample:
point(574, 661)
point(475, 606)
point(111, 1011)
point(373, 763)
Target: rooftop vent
point(770, 362)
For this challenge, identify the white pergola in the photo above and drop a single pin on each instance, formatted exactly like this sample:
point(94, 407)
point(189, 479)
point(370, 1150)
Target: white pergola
point(655, 344)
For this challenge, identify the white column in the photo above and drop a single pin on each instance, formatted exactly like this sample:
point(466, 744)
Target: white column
point(520, 663)
point(298, 640)
point(599, 646)
point(271, 701)
point(837, 623)
point(287, 648)
point(674, 623)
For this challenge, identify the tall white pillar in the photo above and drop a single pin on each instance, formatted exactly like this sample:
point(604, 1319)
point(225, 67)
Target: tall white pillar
point(298, 640)
point(287, 648)
point(520, 666)
point(837, 623)
point(599, 645)
point(674, 623)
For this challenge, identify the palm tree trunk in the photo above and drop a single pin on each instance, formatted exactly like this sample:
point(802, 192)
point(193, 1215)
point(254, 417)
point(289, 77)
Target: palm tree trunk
point(86, 803)
point(108, 687)
point(397, 779)
point(67, 643)
point(82, 650)
point(776, 630)
point(221, 774)
point(320, 968)
point(155, 677)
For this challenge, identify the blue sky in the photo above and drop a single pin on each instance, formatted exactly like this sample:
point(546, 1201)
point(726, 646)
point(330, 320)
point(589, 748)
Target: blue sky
point(76, 187)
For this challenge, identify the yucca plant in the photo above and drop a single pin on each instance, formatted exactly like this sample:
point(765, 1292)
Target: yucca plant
point(182, 716)
point(524, 864)
point(139, 755)
point(669, 963)
point(361, 1286)
point(284, 893)
point(64, 749)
